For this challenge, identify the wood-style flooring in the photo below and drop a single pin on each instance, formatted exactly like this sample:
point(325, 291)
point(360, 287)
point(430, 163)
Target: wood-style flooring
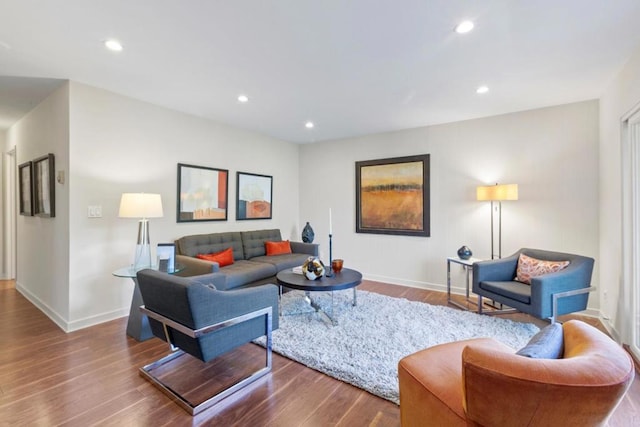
point(90, 377)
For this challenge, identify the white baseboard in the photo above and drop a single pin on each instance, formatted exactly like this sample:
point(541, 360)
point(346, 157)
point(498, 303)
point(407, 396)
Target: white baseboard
point(410, 283)
point(97, 319)
point(43, 307)
point(63, 323)
point(456, 290)
point(606, 322)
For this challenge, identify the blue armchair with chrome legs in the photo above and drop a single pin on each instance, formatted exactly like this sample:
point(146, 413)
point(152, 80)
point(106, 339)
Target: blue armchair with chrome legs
point(548, 295)
point(197, 319)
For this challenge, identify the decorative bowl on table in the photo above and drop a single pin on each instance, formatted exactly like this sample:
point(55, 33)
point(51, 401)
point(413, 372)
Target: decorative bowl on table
point(313, 268)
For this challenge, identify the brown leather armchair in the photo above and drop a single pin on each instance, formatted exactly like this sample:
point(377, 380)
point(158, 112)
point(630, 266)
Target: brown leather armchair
point(481, 382)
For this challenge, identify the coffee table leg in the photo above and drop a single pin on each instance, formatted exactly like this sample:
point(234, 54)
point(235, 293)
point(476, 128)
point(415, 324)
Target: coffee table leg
point(279, 300)
point(355, 300)
point(318, 309)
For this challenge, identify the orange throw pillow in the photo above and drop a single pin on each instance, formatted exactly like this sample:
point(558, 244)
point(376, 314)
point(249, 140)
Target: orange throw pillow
point(277, 248)
point(223, 258)
point(530, 267)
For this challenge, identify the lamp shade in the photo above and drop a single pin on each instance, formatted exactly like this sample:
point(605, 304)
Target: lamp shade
point(140, 205)
point(497, 192)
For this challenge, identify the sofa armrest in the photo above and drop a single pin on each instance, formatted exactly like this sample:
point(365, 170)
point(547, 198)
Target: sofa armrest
point(196, 266)
point(576, 276)
point(305, 248)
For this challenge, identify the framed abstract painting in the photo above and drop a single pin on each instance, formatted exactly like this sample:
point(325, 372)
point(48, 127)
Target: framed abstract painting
point(254, 196)
point(202, 193)
point(392, 196)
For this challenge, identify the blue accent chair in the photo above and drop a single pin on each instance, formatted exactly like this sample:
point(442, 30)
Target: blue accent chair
point(198, 320)
point(548, 296)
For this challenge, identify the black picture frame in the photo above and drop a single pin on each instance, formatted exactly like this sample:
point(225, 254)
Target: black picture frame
point(25, 188)
point(393, 196)
point(166, 255)
point(254, 196)
point(44, 190)
point(203, 193)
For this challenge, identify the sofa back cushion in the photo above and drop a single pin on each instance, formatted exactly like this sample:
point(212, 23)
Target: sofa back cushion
point(211, 243)
point(253, 241)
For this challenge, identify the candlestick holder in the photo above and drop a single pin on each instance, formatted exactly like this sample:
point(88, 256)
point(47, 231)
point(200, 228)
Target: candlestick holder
point(330, 270)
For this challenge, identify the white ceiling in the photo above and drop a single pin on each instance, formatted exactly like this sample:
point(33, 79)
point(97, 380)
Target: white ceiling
point(353, 67)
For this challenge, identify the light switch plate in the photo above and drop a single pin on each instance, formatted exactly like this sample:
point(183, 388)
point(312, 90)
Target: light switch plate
point(94, 211)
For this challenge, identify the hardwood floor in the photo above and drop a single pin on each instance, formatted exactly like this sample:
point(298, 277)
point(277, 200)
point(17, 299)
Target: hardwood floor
point(90, 377)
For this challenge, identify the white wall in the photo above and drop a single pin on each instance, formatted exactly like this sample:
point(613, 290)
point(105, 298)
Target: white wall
point(118, 145)
point(551, 153)
point(43, 243)
point(621, 96)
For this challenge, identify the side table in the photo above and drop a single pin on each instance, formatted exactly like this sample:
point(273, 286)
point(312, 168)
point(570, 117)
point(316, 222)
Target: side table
point(467, 264)
point(138, 323)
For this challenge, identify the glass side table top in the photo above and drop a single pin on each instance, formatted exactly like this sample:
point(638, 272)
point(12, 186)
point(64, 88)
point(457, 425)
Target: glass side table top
point(129, 271)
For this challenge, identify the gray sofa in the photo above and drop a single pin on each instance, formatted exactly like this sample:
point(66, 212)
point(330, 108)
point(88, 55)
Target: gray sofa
point(251, 265)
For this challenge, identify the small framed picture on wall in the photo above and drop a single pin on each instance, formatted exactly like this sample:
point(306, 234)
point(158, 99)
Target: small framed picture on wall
point(25, 184)
point(44, 200)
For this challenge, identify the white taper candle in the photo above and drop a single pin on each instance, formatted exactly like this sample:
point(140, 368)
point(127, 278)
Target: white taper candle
point(330, 223)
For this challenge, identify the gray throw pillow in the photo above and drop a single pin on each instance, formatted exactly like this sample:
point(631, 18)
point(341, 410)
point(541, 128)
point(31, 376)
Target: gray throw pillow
point(546, 344)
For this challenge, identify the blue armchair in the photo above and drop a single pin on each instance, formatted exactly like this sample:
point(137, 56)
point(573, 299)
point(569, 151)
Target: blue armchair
point(548, 296)
point(198, 320)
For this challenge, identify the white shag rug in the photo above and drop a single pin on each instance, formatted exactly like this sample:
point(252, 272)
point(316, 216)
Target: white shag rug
point(369, 340)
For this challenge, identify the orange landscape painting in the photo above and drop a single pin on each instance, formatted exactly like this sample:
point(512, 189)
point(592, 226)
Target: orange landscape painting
point(392, 196)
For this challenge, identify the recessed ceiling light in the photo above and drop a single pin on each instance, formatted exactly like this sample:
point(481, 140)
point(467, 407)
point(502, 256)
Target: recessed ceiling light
point(464, 27)
point(113, 45)
point(243, 98)
point(308, 125)
point(482, 89)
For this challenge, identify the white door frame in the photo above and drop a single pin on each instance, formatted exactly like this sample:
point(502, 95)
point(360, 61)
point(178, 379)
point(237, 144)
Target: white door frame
point(630, 292)
point(9, 220)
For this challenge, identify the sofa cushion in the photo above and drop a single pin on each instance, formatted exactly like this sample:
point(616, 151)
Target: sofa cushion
point(529, 267)
point(253, 241)
point(243, 272)
point(223, 258)
point(546, 344)
point(211, 243)
point(277, 248)
point(514, 290)
point(284, 261)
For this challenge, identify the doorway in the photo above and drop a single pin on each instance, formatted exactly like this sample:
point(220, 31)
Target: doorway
point(631, 222)
point(8, 214)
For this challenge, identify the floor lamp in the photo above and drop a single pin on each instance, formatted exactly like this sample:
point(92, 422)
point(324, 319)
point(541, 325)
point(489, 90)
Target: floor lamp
point(497, 193)
point(143, 206)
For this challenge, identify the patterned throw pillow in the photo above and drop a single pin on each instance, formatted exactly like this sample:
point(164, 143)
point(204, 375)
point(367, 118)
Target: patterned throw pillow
point(223, 258)
point(530, 267)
